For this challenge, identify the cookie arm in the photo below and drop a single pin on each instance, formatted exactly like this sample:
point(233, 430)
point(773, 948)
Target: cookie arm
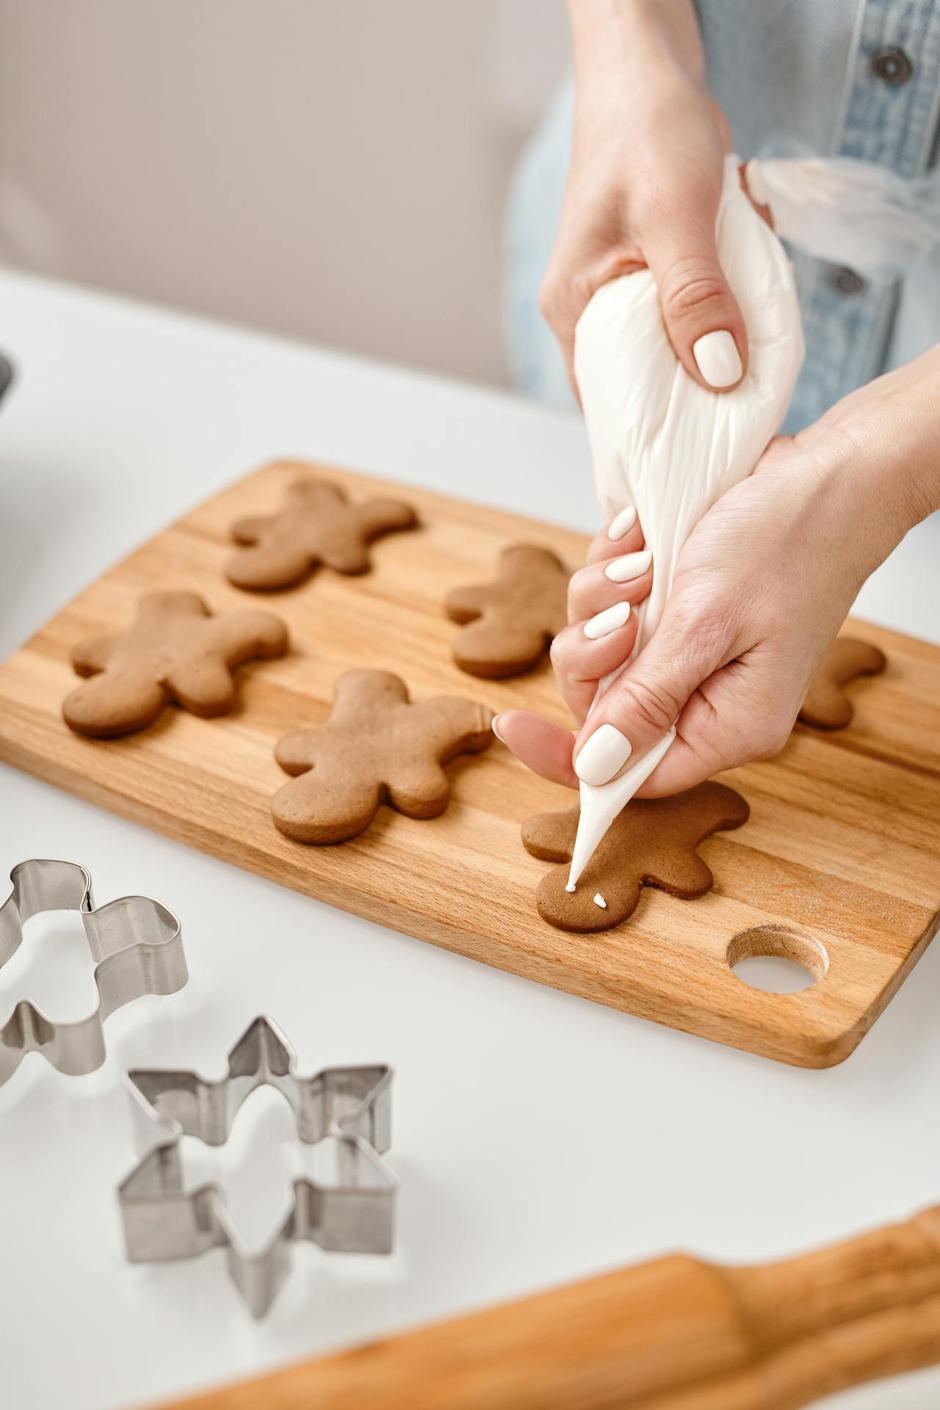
point(296, 752)
point(550, 836)
point(91, 656)
point(384, 516)
point(451, 725)
point(465, 604)
point(250, 529)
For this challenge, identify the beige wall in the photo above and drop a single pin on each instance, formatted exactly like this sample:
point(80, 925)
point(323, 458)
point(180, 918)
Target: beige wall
point(329, 168)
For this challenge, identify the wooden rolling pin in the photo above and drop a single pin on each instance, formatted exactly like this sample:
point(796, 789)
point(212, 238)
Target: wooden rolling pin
point(674, 1334)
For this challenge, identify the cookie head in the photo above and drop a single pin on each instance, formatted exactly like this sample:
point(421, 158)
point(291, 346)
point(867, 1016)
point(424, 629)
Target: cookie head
point(651, 843)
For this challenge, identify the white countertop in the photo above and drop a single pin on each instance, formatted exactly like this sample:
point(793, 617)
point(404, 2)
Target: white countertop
point(538, 1137)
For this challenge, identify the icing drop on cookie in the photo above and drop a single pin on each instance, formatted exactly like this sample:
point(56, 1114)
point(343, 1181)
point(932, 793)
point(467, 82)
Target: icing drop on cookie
point(599, 901)
point(570, 886)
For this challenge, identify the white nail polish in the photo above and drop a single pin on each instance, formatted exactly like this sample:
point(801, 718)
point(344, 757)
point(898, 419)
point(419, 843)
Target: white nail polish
point(603, 756)
point(717, 358)
point(610, 620)
point(622, 523)
point(629, 566)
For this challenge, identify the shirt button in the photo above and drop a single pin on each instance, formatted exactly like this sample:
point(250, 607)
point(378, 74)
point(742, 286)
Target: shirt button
point(891, 65)
point(847, 281)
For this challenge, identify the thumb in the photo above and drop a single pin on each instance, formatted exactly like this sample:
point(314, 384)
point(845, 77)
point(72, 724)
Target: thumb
point(701, 314)
point(638, 707)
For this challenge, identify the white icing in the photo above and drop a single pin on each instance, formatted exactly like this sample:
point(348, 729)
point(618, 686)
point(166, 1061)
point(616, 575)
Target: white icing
point(661, 442)
point(599, 901)
point(570, 886)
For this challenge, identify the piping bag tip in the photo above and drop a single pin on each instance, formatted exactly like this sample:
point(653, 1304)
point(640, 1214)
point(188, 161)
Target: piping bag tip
point(600, 804)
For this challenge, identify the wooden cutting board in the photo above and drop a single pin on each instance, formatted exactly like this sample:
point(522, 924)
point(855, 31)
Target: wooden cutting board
point(838, 866)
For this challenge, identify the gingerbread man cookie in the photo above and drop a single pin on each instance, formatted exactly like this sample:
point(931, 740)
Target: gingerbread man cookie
point(316, 524)
point(376, 747)
point(827, 705)
point(652, 843)
point(511, 621)
point(175, 650)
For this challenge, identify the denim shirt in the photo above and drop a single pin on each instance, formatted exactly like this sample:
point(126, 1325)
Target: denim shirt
point(854, 78)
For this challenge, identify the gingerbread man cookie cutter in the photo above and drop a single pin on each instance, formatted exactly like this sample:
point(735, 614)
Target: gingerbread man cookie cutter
point(136, 944)
point(349, 1106)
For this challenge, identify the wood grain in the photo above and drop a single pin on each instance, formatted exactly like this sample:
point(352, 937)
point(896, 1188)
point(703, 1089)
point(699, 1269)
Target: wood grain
point(839, 864)
point(673, 1334)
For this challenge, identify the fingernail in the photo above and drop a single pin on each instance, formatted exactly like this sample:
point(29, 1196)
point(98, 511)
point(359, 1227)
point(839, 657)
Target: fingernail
point(494, 726)
point(603, 623)
point(622, 523)
point(629, 566)
point(603, 756)
point(717, 358)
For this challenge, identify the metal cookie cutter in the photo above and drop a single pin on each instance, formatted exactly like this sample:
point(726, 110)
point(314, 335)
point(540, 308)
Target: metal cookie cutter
point(136, 946)
point(351, 1213)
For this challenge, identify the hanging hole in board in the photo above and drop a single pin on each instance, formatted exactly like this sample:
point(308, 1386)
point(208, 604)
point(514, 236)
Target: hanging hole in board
point(777, 959)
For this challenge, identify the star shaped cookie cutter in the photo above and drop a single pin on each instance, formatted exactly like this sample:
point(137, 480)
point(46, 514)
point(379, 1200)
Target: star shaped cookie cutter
point(135, 943)
point(353, 1214)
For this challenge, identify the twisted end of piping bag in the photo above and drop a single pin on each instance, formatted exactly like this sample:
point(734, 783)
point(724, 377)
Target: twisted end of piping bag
point(600, 804)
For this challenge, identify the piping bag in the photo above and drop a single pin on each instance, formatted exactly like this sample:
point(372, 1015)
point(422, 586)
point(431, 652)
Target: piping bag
point(669, 447)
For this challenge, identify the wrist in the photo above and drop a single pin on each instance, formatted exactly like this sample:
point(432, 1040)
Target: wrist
point(862, 508)
point(880, 450)
point(635, 41)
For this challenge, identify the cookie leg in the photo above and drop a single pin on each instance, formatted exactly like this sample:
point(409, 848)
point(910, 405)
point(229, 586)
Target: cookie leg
point(419, 790)
point(350, 557)
point(204, 687)
point(240, 636)
point(111, 705)
point(320, 808)
point(265, 569)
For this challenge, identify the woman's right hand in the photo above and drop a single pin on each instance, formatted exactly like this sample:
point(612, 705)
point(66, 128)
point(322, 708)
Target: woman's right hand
point(599, 638)
point(760, 589)
point(647, 166)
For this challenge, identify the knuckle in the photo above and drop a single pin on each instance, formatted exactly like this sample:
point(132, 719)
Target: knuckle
point(692, 287)
point(652, 704)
